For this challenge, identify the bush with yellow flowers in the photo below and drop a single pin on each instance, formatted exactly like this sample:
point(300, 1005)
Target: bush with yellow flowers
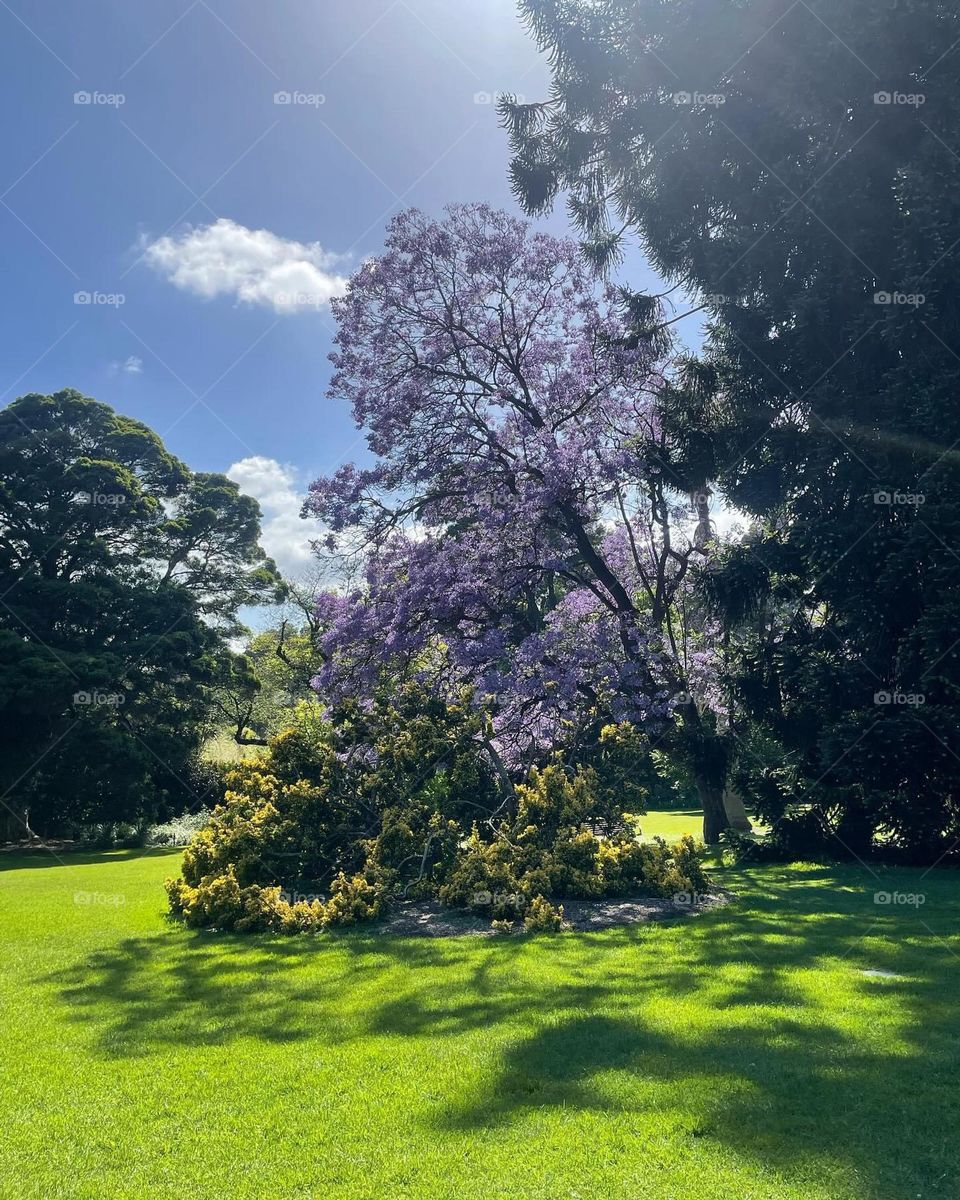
point(399, 799)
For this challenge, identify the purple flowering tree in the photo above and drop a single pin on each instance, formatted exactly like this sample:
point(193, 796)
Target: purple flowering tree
point(516, 528)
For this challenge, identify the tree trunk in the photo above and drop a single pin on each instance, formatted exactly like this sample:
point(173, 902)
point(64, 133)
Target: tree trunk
point(715, 819)
point(736, 813)
point(708, 764)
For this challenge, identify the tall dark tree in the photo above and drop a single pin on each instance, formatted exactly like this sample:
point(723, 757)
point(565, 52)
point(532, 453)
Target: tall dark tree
point(796, 169)
point(121, 573)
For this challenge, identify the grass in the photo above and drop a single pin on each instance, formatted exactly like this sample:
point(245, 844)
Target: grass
point(672, 825)
point(742, 1055)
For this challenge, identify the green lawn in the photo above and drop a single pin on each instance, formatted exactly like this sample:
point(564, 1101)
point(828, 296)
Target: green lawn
point(743, 1055)
point(672, 825)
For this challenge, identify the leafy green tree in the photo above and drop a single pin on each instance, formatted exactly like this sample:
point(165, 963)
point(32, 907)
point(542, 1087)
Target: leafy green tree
point(797, 174)
point(256, 691)
point(121, 573)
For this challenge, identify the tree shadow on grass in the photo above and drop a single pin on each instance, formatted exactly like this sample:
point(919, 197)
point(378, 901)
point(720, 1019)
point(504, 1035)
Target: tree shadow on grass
point(143, 995)
point(792, 1098)
point(771, 1069)
point(858, 1080)
point(763, 1063)
point(27, 858)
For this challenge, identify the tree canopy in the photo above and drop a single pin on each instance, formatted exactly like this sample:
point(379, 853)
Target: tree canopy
point(795, 174)
point(121, 574)
point(521, 524)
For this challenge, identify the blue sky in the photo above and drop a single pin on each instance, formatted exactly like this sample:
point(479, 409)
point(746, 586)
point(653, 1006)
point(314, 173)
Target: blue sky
point(149, 166)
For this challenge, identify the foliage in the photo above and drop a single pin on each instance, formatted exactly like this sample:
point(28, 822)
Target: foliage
point(256, 689)
point(110, 835)
point(399, 799)
point(798, 182)
point(178, 830)
point(527, 517)
point(220, 902)
point(543, 917)
point(370, 800)
point(551, 848)
point(122, 573)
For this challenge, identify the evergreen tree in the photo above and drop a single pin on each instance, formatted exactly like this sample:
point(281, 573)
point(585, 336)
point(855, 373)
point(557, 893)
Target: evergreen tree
point(121, 574)
point(797, 172)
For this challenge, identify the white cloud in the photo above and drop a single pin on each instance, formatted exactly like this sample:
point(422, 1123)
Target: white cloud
point(285, 536)
point(253, 265)
point(131, 365)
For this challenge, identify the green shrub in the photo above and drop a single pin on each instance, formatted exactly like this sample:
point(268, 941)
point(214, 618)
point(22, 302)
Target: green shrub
point(382, 802)
point(353, 899)
point(551, 850)
point(219, 902)
point(363, 806)
point(111, 835)
point(543, 917)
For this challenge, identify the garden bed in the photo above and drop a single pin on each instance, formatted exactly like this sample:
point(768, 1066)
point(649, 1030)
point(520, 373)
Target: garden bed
point(429, 919)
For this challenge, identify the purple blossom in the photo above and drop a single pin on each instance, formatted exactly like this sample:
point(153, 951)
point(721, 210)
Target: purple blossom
point(511, 541)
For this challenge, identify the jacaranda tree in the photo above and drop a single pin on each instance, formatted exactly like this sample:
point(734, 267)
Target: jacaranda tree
point(522, 518)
